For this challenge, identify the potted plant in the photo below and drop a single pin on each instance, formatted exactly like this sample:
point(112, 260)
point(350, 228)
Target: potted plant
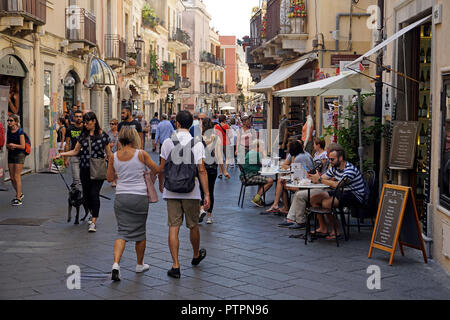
point(149, 18)
point(297, 14)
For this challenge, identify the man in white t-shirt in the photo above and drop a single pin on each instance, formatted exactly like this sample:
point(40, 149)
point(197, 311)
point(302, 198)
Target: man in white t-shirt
point(184, 205)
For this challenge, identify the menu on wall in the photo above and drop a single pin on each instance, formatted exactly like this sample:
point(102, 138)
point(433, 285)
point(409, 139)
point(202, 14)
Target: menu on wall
point(403, 147)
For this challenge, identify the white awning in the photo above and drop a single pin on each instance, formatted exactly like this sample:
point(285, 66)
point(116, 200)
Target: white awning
point(389, 40)
point(279, 75)
point(344, 84)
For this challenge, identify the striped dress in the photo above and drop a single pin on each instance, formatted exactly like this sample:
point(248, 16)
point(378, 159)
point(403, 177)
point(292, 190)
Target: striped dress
point(356, 181)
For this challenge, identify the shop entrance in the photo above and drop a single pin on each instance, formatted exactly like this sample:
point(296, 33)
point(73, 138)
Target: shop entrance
point(12, 73)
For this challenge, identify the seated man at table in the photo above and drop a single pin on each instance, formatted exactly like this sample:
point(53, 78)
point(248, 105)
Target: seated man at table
point(296, 218)
point(296, 155)
point(354, 193)
point(252, 166)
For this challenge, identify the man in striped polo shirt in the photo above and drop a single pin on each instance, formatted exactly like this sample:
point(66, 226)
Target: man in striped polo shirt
point(353, 195)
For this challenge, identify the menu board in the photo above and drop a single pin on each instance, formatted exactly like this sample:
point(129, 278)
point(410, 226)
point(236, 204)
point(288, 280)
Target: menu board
point(403, 146)
point(397, 222)
point(391, 207)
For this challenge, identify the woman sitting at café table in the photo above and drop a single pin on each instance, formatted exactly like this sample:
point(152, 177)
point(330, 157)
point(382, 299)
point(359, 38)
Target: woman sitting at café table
point(296, 155)
point(252, 167)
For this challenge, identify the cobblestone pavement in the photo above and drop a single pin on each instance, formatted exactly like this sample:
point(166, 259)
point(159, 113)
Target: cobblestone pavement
point(248, 256)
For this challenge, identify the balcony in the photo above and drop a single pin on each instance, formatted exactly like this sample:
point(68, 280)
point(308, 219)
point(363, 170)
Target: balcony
point(168, 74)
point(115, 50)
point(80, 30)
point(22, 15)
point(180, 41)
point(209, 58)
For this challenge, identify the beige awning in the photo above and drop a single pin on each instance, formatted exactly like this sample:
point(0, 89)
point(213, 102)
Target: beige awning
point(389, 40)
point(282, 73)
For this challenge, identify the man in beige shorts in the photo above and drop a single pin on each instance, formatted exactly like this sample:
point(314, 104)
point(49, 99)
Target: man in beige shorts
point(184, 205)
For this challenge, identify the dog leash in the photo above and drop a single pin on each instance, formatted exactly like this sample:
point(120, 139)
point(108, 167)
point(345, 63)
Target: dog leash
point(68, 188)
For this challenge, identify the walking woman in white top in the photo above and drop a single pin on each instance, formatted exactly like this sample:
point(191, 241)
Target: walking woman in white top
point(127, 167)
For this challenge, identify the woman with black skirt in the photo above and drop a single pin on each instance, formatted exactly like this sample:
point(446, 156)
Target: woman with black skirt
point(100, 148)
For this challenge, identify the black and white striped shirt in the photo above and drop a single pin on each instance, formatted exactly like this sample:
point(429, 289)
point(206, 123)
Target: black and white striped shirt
point(356, 182)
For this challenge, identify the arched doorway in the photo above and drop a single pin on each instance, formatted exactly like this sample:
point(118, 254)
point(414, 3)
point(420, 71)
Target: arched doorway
point(12, 74)
point(107, 107)
point(71, 88)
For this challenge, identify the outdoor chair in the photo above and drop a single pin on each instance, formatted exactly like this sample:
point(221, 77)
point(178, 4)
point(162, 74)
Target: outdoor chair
point(368, 206)
point(334, 211)
point(245, 184)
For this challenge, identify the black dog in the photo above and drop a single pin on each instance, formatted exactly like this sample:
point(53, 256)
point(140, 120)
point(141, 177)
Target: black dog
point(76, 200)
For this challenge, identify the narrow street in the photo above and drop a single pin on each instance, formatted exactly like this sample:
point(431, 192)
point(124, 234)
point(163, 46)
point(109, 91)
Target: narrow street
point(248, 255)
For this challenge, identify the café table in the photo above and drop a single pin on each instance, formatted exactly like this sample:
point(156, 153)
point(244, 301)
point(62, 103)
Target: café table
point(273, 172)
point(309, 187)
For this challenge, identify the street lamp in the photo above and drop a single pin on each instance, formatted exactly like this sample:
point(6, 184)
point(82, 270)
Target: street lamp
point(138, 44)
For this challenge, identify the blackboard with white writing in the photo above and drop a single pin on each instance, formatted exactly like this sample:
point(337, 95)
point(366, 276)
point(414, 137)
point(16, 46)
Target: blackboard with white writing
point(403, 146)
point(389, 217)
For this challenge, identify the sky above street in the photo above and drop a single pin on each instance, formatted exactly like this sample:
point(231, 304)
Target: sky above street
point(231, 17)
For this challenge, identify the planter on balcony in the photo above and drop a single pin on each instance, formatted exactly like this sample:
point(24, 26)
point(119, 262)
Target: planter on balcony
point(165, 77)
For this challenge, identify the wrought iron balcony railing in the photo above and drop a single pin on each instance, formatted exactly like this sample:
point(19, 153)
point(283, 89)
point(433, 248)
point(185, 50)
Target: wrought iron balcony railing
point(181, 36)
point(285, 17)
point(115, 47)
point(80, 26)
point(33, 10)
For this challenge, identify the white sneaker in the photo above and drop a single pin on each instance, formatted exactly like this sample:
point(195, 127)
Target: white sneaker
point(202, 216)
point(142, 267)
point(92, 227)
point(209, 220)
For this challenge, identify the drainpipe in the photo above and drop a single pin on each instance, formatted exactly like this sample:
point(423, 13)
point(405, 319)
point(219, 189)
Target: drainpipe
point(37, 75)
point(338, 19)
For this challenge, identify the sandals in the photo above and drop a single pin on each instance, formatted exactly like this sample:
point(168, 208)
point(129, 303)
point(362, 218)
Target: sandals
point(333, 237)
point(219, 176)
point(319, 234)
point(227, 176)
point(274, 210)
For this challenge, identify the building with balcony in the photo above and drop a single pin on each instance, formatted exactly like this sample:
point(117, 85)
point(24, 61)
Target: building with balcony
point(198, 64)
point(293, 42)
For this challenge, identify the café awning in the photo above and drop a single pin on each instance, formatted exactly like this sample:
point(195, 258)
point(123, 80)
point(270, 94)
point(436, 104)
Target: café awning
point(341, 85)
point(389, 40)
point(282, 73)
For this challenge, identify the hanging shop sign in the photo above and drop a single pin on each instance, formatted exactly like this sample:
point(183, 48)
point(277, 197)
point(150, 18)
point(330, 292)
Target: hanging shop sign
point(403, 145)
point(397, 222)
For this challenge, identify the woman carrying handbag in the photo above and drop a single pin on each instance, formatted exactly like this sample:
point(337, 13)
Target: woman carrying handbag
point(92, 148)
point(127, 167)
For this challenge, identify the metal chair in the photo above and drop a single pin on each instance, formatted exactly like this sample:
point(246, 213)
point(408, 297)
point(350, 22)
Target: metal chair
point(245, 184)
point(333, 211)
point(369, 178)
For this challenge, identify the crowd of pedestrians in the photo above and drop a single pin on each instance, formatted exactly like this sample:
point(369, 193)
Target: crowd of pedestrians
point(207, 146)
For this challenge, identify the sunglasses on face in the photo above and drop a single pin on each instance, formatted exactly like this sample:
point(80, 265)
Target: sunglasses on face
point(332, 159)
point(113, 124)
point(9, 120)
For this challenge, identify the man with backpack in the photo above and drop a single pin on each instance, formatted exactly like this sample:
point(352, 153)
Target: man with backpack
point(182, 158)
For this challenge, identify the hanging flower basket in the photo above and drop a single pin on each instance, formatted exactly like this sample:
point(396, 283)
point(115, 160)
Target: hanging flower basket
point(264, 27)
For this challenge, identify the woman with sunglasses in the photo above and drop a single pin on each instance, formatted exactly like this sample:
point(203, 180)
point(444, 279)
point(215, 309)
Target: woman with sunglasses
point(100, 147)
point(15, 143)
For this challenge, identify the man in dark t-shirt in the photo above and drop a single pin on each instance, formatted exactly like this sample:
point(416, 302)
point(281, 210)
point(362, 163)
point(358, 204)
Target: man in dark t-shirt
point(72, 134)
point(127, 120)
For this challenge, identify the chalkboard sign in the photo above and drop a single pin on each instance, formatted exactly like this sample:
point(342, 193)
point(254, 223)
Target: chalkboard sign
point(403, 146)
point(397, 222)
